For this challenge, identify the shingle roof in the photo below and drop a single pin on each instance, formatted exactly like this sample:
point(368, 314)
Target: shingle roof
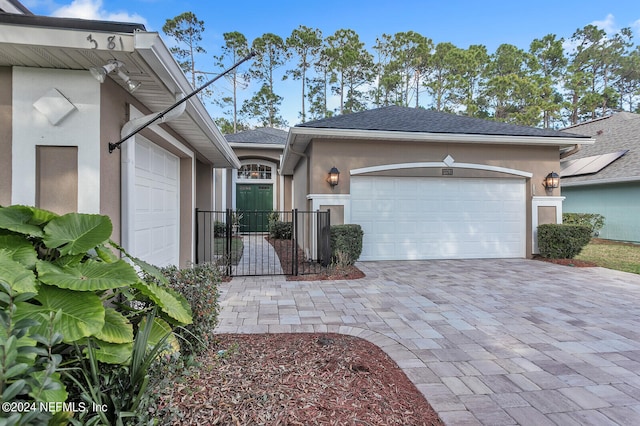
point(405, 119)
point(29, 20)
point(616, 132)
point(264, 135)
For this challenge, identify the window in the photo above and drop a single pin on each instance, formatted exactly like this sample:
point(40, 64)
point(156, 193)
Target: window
point(254, 171)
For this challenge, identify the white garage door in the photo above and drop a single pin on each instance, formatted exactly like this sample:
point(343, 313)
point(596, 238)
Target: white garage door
point(156, 223)
point(405, 218)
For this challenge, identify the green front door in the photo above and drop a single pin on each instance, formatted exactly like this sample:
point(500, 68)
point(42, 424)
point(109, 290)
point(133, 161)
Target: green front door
point(254, 202)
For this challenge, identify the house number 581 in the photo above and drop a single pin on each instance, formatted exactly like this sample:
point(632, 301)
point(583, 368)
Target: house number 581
point(111, 42)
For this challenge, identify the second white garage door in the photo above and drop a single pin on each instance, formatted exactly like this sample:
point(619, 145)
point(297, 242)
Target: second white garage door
point(406, 218)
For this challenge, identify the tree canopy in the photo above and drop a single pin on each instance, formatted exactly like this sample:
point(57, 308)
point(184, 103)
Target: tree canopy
point(553, 83)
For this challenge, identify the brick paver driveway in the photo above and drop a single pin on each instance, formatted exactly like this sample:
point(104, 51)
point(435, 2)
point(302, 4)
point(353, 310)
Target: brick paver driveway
point(493, 342)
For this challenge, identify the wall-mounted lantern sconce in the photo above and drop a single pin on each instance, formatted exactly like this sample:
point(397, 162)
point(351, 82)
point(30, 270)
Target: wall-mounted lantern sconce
point(100, 74)
point(551, 181)
point(334, 176)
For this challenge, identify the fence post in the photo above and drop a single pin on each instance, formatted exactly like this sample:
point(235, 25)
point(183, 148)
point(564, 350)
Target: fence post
point(197, 236)
point(294, 241)
point(227, 245)
point(326, 243)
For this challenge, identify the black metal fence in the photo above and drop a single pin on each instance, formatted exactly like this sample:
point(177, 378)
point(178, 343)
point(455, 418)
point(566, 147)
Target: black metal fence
point(264, 242)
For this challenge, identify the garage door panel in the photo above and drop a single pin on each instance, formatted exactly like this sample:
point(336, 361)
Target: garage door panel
point(156, 221)
point(435, 218)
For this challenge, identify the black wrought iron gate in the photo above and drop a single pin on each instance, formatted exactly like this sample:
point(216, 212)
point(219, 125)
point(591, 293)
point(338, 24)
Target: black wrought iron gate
point(264, 242)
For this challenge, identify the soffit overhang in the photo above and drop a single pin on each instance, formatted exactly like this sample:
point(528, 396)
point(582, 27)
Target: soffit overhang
point(147, 60)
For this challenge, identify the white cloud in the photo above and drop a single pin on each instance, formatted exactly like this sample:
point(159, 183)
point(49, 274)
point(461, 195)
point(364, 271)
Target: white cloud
point(92, 9)
point(608, 24)
point(611, 28)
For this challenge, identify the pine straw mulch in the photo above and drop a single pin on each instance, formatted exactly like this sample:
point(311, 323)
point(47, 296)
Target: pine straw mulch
point(299, 379)
point(311, 271)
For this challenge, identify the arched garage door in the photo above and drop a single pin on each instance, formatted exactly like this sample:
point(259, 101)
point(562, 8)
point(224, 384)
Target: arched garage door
point(407, 218)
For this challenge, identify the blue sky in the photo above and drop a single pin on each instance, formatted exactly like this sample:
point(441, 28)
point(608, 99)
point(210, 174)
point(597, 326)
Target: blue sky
point(461, 22)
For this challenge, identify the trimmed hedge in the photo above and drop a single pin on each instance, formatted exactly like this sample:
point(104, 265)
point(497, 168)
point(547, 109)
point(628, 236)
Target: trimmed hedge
point(592, 220)
point(562, 241)
point(346, 243)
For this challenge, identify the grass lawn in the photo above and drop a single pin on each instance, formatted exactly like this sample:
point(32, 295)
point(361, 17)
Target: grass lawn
point(613, 255)
point(236, 248)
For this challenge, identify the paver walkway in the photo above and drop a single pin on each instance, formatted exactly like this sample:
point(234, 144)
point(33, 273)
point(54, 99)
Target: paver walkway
point(258, 257)
point(493, 342)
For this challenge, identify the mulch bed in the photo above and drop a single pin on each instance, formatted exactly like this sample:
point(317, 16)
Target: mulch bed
point(316, 272)
point(299, 379)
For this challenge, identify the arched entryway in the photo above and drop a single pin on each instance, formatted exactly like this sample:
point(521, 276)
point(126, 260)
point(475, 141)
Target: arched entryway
point(255, 192)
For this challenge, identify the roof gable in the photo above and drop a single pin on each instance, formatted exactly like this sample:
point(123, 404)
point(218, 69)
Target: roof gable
point(405, 119)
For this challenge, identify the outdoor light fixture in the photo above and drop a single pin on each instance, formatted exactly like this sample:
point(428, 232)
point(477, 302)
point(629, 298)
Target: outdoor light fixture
point(132, 85)
point(334, 176)
point(551, 181)
point(100, 74)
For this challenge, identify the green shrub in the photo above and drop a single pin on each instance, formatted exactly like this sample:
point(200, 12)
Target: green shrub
point(219, 229)
point(562, 241)
point(346, 243)
point(280, 230)
point(593, 220)
point(199, 286)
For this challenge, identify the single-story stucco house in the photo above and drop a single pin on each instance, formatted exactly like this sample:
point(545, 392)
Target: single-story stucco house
point(429, 185)
point(69, 88)
point(604, 178)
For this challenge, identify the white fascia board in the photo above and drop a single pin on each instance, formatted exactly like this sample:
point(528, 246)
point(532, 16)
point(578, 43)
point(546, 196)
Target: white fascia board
point(440, 137)
point(21, 35)
point(151, 47)
point(304, 135)
point(201, 117)
point(629, 179)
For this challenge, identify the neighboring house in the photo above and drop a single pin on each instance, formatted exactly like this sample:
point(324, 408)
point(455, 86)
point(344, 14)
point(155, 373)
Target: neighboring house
point(604, 177)
point(57, 120)
point(429, 185)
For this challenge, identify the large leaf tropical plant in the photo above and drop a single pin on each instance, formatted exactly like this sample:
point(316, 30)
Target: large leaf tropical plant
point(68, 268)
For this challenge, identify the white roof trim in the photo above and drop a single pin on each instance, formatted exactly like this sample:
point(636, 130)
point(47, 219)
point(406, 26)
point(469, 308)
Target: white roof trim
point(9, 7)
point(440, 164)
point(151, 47)
point(64, 38)
point(440, 137)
